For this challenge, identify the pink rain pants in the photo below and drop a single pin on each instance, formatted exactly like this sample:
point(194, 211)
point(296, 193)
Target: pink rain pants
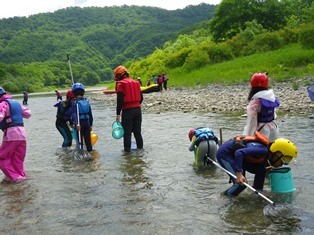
point(12, 155)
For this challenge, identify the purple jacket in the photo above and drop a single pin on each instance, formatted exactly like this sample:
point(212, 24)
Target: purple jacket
point(236, 159)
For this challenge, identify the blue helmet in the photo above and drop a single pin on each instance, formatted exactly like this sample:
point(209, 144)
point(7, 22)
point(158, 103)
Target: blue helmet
point(2, 91)
point(77, 86)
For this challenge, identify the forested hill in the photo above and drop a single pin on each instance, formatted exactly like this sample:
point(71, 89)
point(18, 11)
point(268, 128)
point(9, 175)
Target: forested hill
point(96, 37)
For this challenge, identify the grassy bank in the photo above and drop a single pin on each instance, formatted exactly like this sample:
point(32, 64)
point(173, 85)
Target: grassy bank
point(286, 63)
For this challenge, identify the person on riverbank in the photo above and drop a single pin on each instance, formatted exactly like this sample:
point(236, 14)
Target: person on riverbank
point(256, 155)
point(261, 110)
point(25, 98)
point(159, 82)
point(165, 80)
point(81, 115)
point(13, 146)
point(204, 144)
point(140, 81)
point(59, 95)
point(62, 119)
point(129, 100)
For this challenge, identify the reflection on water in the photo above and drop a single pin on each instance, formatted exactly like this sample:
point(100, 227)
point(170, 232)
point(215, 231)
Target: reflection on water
point(17, 205)
point(155, 191)
point(249, 218)
point(134, 171)
point(289, 218)
point(71, 164)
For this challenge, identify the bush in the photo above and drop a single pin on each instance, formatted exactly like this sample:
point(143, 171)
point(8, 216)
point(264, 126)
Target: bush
point(196, 59)
point(219, 53)
point(262, 43)
point(289, 35)
point(236, 44)
point(177, 58)
point(306, 38)
point(10, 87)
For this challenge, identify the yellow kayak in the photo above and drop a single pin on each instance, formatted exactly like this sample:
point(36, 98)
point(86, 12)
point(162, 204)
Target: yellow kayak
point(144, 89)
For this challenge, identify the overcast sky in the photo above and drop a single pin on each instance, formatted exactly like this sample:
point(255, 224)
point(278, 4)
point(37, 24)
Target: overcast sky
point(11, 8)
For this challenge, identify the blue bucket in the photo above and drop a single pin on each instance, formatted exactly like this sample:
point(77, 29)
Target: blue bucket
point(281, 180)
point(117, 130)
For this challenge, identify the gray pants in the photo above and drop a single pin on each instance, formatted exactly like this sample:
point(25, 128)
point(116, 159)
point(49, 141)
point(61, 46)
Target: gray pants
point(206, 147)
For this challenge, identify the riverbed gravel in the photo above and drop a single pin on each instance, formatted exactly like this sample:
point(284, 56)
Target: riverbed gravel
point(217, 98)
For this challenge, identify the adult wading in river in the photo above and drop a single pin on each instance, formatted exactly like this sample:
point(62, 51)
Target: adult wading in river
point(129, 99)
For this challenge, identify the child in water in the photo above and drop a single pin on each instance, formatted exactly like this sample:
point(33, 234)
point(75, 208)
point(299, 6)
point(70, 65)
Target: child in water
point(59, 95)
point(81, 115)
point(62, 119)
point(25, 98)
point(13, 146)
point(205, 144)
point(261, 110)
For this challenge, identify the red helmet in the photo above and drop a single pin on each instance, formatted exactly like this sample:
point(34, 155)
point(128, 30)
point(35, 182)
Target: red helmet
point(259, 80)
point(70, 95)
point(191, 133)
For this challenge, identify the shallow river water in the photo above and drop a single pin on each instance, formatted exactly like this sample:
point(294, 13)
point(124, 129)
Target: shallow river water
point(154, 192)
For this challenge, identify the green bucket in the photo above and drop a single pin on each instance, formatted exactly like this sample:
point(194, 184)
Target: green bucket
point(117, 130)
point(281, 180)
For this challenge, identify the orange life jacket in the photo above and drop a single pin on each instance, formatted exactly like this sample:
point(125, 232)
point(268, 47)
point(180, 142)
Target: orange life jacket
point(242, 141)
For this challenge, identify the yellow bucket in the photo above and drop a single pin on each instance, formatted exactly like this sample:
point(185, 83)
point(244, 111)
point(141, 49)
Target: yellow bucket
point(93, 138)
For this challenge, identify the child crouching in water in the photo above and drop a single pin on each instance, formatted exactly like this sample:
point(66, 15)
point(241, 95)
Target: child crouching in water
point(13, 146)
point(204, 144)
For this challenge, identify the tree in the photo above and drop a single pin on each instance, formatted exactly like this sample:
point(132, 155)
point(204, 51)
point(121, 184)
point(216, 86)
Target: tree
point(231, 16)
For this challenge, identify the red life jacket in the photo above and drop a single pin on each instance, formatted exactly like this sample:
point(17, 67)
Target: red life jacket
point(241, 142)
point(131, 91)
point(159, 80)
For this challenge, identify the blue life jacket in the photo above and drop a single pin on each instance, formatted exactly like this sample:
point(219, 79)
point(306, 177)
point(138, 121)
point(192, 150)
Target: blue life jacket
point(204, 133)
point(15, 118)
point(267, 113)
point(84, 108)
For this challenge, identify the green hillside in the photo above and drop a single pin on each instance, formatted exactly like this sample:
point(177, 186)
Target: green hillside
point(285, 50)
point(197, 45)
point(106, 34)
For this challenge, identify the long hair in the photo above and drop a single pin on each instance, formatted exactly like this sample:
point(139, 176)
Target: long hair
point(254, 90)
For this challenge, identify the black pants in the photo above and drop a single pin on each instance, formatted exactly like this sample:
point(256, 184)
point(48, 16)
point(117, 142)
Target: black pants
point(65, 131)
point(132, 123)
point(85, 135)
point(165, 85)
point(160, 86)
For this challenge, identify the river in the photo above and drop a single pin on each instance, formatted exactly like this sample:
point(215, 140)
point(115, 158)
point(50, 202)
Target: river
point(157, 191)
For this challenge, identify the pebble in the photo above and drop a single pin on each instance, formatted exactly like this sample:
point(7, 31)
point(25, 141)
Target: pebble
point(217, 98)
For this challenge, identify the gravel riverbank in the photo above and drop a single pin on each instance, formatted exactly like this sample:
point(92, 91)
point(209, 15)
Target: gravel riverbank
point(216, 98)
